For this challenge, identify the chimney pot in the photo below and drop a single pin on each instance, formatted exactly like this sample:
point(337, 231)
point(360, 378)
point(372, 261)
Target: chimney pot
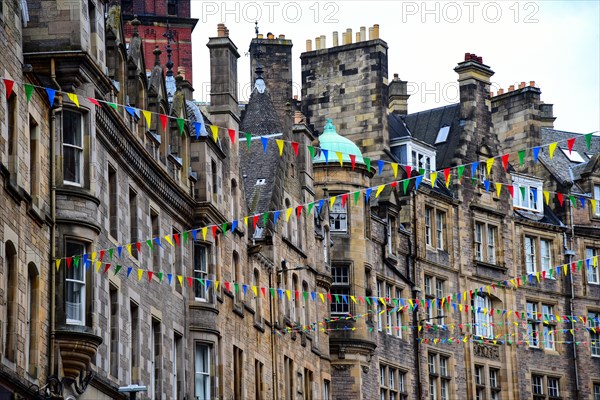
point(532, 83)
point(335, 39)
point(270, 36)
point(467, 56)
point(522, 85)
point(376, 31)
point(371, 33)
point(480, 60)
point(323, 42)
point(363, 33)
point(281, 36)
point(511, 88)
point(500, 91)
point(491, 94)
point(260, 36)
point(317, 43)
point(396, 77)
point(357, 34)
point(349, 36)
point(221, 30)
point(308, 45)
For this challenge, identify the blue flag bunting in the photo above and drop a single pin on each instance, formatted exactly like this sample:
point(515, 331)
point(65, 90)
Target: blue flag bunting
point(380, 166)
point(536, 153)
point(265, 142)
point(51, 94)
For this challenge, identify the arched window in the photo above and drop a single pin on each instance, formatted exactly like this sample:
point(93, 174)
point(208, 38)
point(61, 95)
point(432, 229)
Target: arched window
point(32, 319)
point(257, 301)
point(295, 307)
point(234, 199)
point(9, 329)
point(305, 307)
point(235, 276)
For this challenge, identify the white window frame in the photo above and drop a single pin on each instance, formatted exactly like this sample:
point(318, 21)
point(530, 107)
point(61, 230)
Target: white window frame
point(597, 198)
point(418, 156)
point(530, 254)
point(594, 337)
point(201, 373)
point(80, 283)
point(79, 150)
point(202, 273)
point(527, 203)
point(592, 273)
point(483, 321)
point(342, 217)
point(428, 227)
point(533, 325)
point(486, 239)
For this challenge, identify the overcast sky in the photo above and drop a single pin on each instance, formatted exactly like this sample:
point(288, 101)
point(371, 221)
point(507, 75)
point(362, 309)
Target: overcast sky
point(554, 43)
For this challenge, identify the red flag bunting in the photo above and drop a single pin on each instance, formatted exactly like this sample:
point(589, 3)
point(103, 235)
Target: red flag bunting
point(176, 237)
point(570, 143)
point(329, 297)
point(297, 294)
point(353, 160)
point(106, 268)
point(511, 190)
point(295, 147)
point(227, 286)
point(344, 199)
point(299, 210)
point(163, 121)
point(138, 246)
point(466, 308)
point(408, 170)
point(505, 161)
point(518, 282)
point(9, 87)
point(517, 314)
point(190, 281)
point(69, 261)
point(231, 134)
point(394, 184)
point(559, 196)
point(543, 274)
point(214, 231)
point(573, 267)
point(94, 101)
point(446, 174)
point(101, 255)
point(264, 291)
point(255, 220)
point(150, 276)
point(471, 293)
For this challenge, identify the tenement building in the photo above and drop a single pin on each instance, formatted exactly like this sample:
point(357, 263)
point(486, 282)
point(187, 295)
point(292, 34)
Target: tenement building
point(330, 247)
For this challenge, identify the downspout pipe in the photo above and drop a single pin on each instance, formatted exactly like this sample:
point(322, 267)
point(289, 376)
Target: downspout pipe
point(412, 255)
point(53, 368)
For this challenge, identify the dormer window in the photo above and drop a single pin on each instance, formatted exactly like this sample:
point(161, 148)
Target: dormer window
point(573, 156)
point(419, 156)
point(442, 135)
point(527, 193)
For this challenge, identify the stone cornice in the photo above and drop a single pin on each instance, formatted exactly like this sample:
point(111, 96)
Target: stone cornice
point(116, 136)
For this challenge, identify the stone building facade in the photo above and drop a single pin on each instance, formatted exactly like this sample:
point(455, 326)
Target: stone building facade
point(81, 178)
point(25, 214)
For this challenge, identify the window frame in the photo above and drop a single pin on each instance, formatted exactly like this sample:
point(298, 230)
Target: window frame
point(201, 273)
point(80, 282)
point(79, 150)
point(483, 230)
point(594, 322)
point(591, 252)
point(340, 287)
point(206, 376)
point(341, 213)
point(528, 183)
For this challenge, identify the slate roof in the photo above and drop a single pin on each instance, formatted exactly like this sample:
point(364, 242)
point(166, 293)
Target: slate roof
point(425, 126)
point(260, 119)
point(560, 166)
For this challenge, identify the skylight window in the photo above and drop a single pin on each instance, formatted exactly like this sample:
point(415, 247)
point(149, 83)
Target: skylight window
point(574, 156)
point(442, 135)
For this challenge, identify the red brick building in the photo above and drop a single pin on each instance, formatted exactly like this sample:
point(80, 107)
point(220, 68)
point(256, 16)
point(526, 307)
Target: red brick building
point(155, 15)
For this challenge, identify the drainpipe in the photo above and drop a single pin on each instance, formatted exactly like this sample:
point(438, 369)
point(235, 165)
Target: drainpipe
point(53, 110)
point(415, 292)
point(273, 352)
point(569, 253)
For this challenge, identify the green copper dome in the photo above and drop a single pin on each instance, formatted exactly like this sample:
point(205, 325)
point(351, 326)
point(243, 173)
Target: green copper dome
point(333, 142)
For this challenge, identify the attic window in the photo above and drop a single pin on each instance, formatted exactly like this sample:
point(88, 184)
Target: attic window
point(442, 134)
point(574, 156)
point(261, 181)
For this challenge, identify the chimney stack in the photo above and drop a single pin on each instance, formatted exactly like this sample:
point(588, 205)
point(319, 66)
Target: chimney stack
point(398, 96)
point(547, 115)
point(221, 30)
